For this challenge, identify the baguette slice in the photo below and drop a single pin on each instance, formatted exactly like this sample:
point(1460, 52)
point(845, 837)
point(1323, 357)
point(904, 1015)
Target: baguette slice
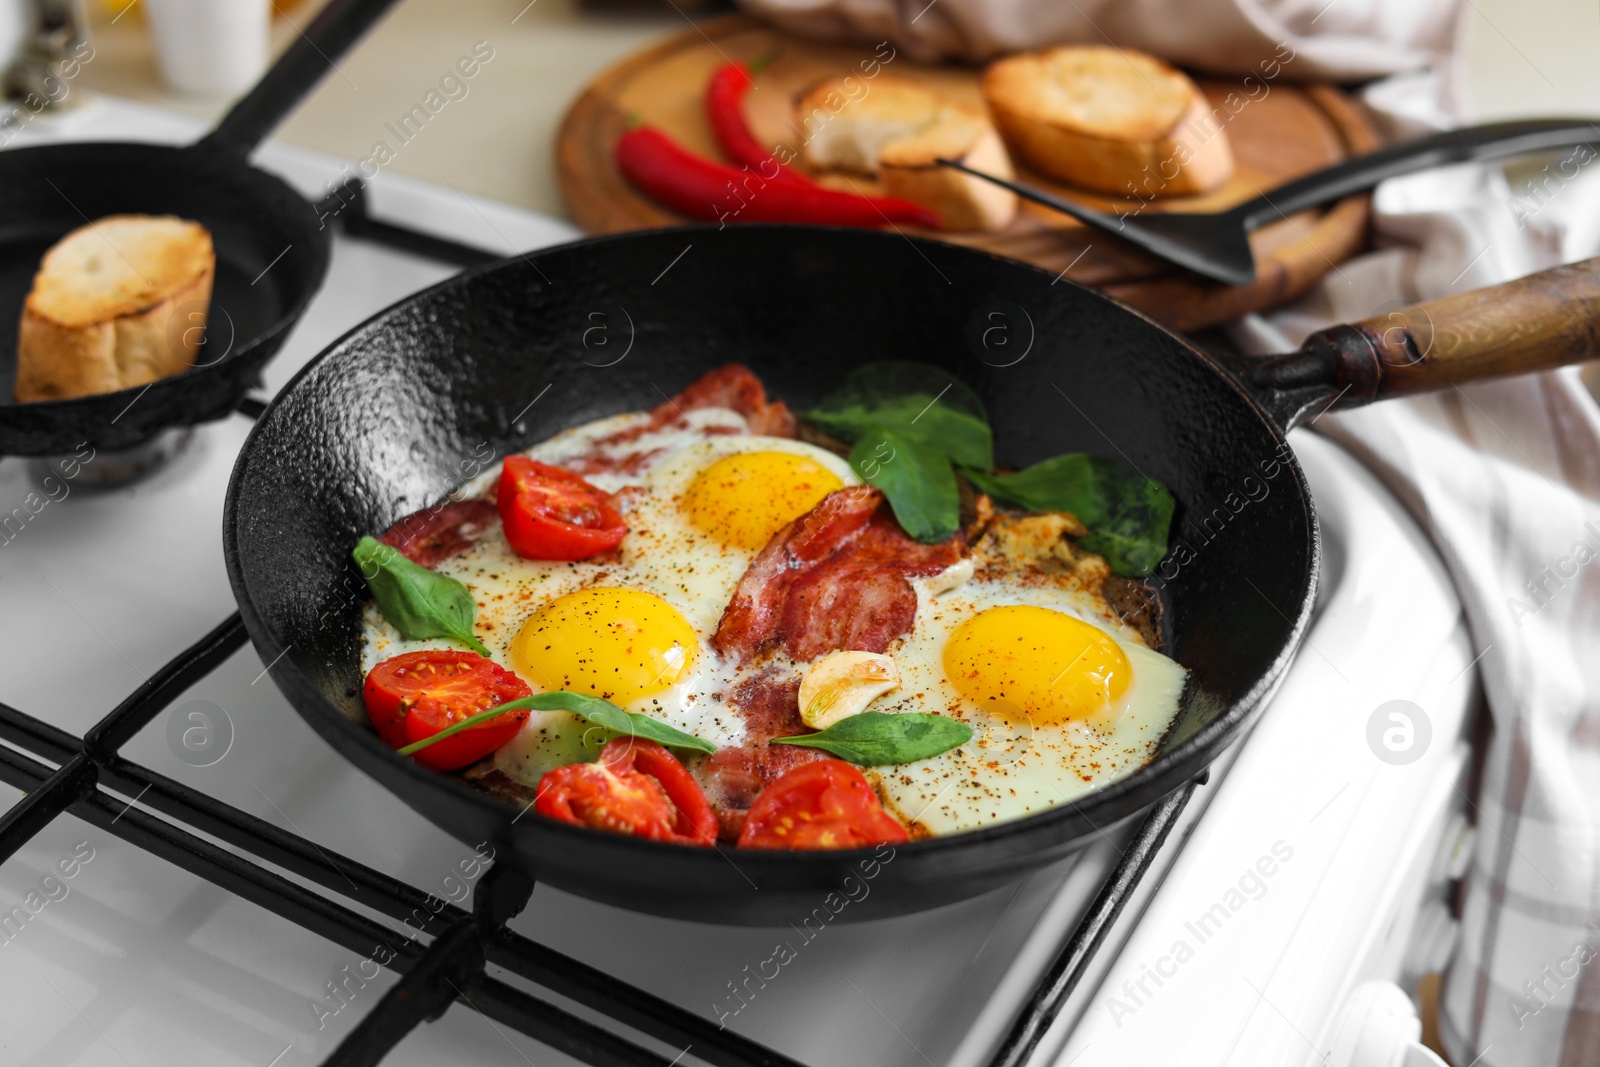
point(1108, 119)
point(894, 132)
point(115, 304)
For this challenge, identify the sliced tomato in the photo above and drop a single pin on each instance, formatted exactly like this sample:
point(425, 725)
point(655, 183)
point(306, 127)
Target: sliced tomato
point(413, 696)
point(636, 787)
point(824, 804)
point(550, 513)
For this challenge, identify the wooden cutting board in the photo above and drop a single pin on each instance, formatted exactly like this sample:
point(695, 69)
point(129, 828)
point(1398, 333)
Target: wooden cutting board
point(1278, 132)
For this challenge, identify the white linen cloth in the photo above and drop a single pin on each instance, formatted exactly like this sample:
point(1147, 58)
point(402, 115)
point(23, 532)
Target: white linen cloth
point(1505, 476)
point(1340, 39)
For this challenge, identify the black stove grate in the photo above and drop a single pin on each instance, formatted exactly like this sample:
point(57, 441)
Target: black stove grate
point(59, 772)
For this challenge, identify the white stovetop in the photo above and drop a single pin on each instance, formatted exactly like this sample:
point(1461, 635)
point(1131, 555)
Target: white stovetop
point(141, 963)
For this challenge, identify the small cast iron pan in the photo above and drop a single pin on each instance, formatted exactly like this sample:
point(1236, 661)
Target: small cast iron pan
point(381, 423)
point(272, 249)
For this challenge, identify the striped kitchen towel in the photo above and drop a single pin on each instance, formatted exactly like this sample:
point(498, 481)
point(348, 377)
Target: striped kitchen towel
point(1505, 477)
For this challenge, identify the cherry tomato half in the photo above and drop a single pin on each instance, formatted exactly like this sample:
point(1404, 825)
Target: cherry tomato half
point(415, 695)
point(823, 804)
point(636, 787)
point(550, 513)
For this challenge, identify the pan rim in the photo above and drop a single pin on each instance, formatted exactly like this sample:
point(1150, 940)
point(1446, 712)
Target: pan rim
point(1145, 786)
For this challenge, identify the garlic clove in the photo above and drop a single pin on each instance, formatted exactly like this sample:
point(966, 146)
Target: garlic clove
point(842, 684)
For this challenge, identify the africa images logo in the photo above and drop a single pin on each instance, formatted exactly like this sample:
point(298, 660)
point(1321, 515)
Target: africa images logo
point(1251, 885)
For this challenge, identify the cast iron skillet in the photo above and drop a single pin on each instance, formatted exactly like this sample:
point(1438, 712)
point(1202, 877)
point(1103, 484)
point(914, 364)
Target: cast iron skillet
point(399, 411)
point(272, 249)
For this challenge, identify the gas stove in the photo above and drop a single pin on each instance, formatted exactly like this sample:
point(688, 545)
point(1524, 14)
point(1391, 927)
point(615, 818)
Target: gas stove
point(1257, 916)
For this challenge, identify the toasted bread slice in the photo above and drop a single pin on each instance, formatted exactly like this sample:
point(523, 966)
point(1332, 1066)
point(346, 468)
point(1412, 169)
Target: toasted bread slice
point(894, 132)
point(115, 304)
point(1108, 119)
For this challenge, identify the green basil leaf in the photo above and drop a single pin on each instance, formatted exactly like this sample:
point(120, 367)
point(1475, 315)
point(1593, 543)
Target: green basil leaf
point(877, 738)
point(418, 602)
point(917, 401)
point(1128, 515)
point(918, 481)
point(617, 720)
point(600, 712)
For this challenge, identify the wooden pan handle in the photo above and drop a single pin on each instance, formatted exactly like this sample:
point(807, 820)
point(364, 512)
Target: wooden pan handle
point(1545, 320)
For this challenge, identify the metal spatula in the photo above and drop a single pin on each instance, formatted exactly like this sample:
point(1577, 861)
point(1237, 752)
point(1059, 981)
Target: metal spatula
point(1217, 245)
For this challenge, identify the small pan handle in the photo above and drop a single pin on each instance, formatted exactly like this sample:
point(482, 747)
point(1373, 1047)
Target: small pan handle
point(314, 53)
point(1495, 140)
point(1536, 323)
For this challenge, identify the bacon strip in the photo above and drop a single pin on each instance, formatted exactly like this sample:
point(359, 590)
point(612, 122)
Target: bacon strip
point(432, 535)
point(734, 777)
point(769, 705)
point(734, 386)
point(835, 578)
point(598, 463)
point(751, 617)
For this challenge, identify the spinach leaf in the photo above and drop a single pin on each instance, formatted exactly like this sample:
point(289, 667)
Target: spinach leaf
point(594, 709)
point(916, 400)
point(877, 738)
point(1128, 515)
point(418, 602)
point(917, 479)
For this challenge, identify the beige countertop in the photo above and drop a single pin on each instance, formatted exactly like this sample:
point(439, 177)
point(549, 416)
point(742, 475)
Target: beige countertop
point(1522, 57)
point(495, 141)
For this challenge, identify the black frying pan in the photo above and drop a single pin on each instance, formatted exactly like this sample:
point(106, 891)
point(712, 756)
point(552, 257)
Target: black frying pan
point(272, 248)
point(382, 422)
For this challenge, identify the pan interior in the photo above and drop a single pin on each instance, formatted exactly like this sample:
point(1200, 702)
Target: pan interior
point(392, 416)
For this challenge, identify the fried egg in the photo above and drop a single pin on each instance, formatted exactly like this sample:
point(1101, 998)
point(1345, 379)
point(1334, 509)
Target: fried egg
point(1062, 694)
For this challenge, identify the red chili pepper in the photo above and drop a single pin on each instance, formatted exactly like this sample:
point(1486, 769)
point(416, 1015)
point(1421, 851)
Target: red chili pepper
point(724, 96)
point(705, 189)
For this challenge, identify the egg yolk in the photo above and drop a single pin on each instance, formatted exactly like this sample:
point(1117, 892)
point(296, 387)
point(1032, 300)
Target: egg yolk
point(615, 643)
point(1047, 663)
point(743, 499)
